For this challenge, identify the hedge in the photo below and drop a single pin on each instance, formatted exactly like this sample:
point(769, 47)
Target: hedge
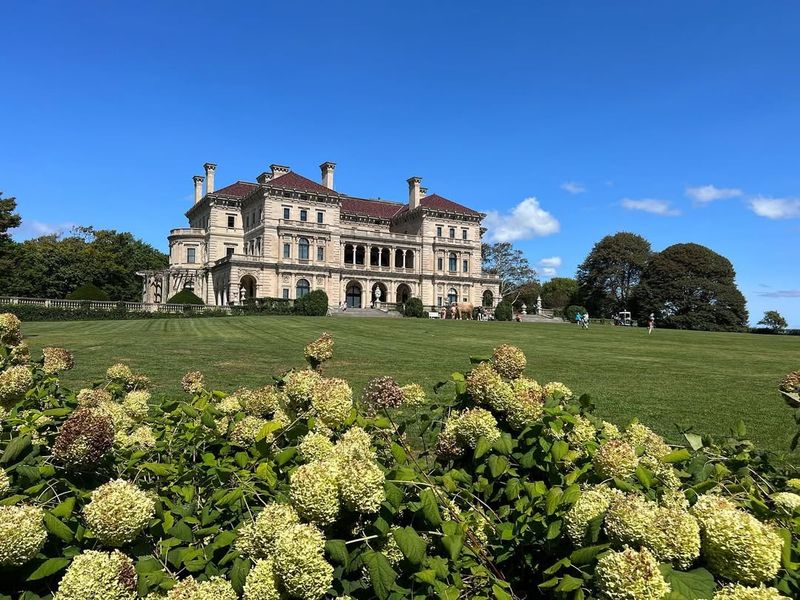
point(88, 292)
point(313, 304)
point(37, 312)
point(503, 311)
point(186, 297)
point(413, 308)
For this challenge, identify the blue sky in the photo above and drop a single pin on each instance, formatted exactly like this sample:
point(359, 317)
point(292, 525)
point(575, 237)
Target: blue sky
point(566, 121)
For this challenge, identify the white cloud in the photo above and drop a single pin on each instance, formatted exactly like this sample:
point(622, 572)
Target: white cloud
point(776, 208)
point(781, 294)
point(573, 187)
point(33, 229)
point(526, 220)
point(708, 193)
point(548, 272)
point(553, 261)
point(651, 205)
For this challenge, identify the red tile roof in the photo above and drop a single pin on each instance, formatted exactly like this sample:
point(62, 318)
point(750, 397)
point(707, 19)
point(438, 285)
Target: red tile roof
point(298, 182)
point(437, 202)
point(238, 189)
point(379, 209)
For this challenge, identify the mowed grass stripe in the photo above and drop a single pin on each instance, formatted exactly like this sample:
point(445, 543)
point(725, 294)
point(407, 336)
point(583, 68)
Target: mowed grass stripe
point(705, 380)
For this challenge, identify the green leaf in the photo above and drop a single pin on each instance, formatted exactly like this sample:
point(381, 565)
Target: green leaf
point(679, 455)
point(15, 448)
point(645, 476)
point(64, 509)
point(569, 583)
point(697, 584)
point(482, 447)
point(427, 576)
point(453, 544)
point(49, 567)
point(267, 473)
point(57, 528)
point(267, 429)
point(239, 573)
point(285, 456)
point(337, 550)
point(585, 556)
point(504, 444)
point(497, 465)
point(559, 450)
point(500, 593)
point(553, 499)
point(695, 441)
point(381, 574)
point(430, 507)
point(411, 544)
point(160, 469)
point(786, 536)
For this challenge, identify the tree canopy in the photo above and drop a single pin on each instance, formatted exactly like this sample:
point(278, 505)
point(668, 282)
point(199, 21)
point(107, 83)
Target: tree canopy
point(559, 292)
point(611, 271)
point(510, 264)
point(689, 286)
point(8, 220)
point(774, 320)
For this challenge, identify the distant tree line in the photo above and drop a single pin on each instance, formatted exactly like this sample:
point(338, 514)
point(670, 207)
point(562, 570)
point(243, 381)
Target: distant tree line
point(53, 266)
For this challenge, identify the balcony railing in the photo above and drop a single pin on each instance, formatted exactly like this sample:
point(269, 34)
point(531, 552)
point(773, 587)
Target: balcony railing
point(188, 231)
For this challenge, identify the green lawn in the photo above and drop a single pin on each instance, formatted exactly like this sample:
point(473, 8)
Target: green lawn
point(708, 380)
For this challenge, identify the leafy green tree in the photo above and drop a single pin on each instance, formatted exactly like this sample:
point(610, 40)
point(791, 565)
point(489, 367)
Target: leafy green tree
point(510, 264)
point(313, 304)
point(8, 220)
point(414, 308)
point(528, 293)
point(774, 320)
point(503, 311)
point(689, 286)
point(559, 292)
point(611, 271)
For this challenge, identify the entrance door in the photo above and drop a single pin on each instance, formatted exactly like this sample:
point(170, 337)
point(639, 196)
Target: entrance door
point(353, 295)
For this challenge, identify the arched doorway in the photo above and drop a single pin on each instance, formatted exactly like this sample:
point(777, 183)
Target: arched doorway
point(488, 299)
point(452, 296)
point(302, 288)
point(381, 297)
point(353, 295)
point(403, 294)
point(247, 288)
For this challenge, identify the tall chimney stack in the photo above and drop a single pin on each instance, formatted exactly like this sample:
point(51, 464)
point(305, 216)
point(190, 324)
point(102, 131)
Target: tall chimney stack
point(198, 188)
point(414, 194)
point(210, 168)
point(278, 170)
point(327, 174)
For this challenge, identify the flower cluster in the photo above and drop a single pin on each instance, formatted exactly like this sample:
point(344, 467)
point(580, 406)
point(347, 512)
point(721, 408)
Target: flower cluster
point(315, 446)
point(639, 436)
point(314, 492)
point(140, 438)
point(118, 512)
point(192, 382)
point(592, 504)
point(20, 354)
point(10, 329)
point(615, 458)
point(258, 539)
point(786, 502)
point(509, 361)
point(84, 438)
point(735, 544)
point(22, 534)
point(332, 401)
point(229, 405)
point(91, 398)
point(528, 404)
point(557, 391)
point(136, 404)
point(318, 351)
point(245, 431)
point(741, 592)
point(298, 387)
point(262, 402)
point(300, 563)
point(119, 373)
point(413, 395)
point(790, 382)
point(381, 393)
point(94, 575)
point(57, 360)
point(261, 583)
point(5, 482)
point(462, 430)
point(14, 383)
point(630, 575)
point(486, 387)
point(793, 484)
point(215, 588)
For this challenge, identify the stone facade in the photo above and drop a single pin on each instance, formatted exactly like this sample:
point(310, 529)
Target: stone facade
point(285, 235)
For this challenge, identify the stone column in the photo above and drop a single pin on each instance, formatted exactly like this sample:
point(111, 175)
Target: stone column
point(198, 188)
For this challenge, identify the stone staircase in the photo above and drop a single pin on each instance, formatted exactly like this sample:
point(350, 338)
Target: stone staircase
point(542, 319)
point(365, 312)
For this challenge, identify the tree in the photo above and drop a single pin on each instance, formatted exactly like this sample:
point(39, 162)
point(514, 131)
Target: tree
point(689, 286)
point(186, 296)
point(611, 271)
point(8, 220)
point(510, 264)
point(559, 292)
point(527, 294)
point(503, 311)
point(774, 320)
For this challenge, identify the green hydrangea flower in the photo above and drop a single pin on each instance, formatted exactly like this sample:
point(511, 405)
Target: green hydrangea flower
point(14, 383)
point(22, 534)
point(582, 432)
point(637, 435)
point(10, 329)
point(57, 360)
point(332, 401)
point(20, 354)
point(557, 391)
point(261, 583)
point(137, 404)
point(509, 361)
point(630, 575)
point(258, 539)
point(786, 502)
point(360, 485)
point(793, 484)
point(318, 351)
point(527, 405)
point(609, 431)
point(463, 430)
point(262, 402)
point(119, 373)
point(413, 395)
point(315, 446)
point(300, 564)
point(96, 575)
point(192, 382)
point(615, 458)
point(741, 592)
point(314, 492)
point(5, 482)
point(591, 504)
point(91, 398)
point(141, 438)
point(735, 544)
point(118, 512)
point(215, 588)
point(299, 388)
point(245, 432)
point(486, 387)
point(229, 405)
point(354, 444)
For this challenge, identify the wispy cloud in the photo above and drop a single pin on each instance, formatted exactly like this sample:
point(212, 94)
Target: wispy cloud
point(776, 208)
point(548, 272)
point(525, 221)
point(33, 229)
point(552, 261)
point(651, 205)
point(781, 294)
point(573, 187)
point(709, 193)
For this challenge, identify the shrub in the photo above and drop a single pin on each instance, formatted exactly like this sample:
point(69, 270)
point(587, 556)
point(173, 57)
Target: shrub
point(313, 304)
point(414, 308)
point(186, 296)
point(571, 311)
point(503, 311)
point(88, 291)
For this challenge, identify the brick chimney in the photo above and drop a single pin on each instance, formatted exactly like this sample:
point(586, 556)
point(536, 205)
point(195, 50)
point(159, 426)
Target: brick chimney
point(278, 170)
point(414, 194)
point(327, 174)
point(198, 188)
point(210, 168)
point(264, 178)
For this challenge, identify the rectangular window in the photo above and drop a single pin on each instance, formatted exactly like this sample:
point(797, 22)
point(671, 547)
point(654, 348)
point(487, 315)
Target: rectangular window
point(320, 217)
point(463, 234)
point(286, 293)
point(304, 215)
point(320, 253)
point(465, 266)
point(440, 263)
point(452, 233)
point(287, 251)
point(439, 301)
point(229, 251)
point(190, 255)
point(286, 213)
point(438, 231)
point(231, 221)
point(247, 222)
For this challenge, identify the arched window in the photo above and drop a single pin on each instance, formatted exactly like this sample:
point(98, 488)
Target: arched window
point(302, 288)
point(452, 296)
point(488, 299)
point(452, 263)
point(302, 247)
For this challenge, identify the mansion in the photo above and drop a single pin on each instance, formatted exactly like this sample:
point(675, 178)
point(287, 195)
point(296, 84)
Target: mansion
point(286, 235)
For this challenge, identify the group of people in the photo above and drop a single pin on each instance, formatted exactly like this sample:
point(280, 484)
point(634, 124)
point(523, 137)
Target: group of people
point(582, 320)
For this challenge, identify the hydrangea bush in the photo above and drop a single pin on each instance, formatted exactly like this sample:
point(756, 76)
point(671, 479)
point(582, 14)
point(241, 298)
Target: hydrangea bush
point(495, 487)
